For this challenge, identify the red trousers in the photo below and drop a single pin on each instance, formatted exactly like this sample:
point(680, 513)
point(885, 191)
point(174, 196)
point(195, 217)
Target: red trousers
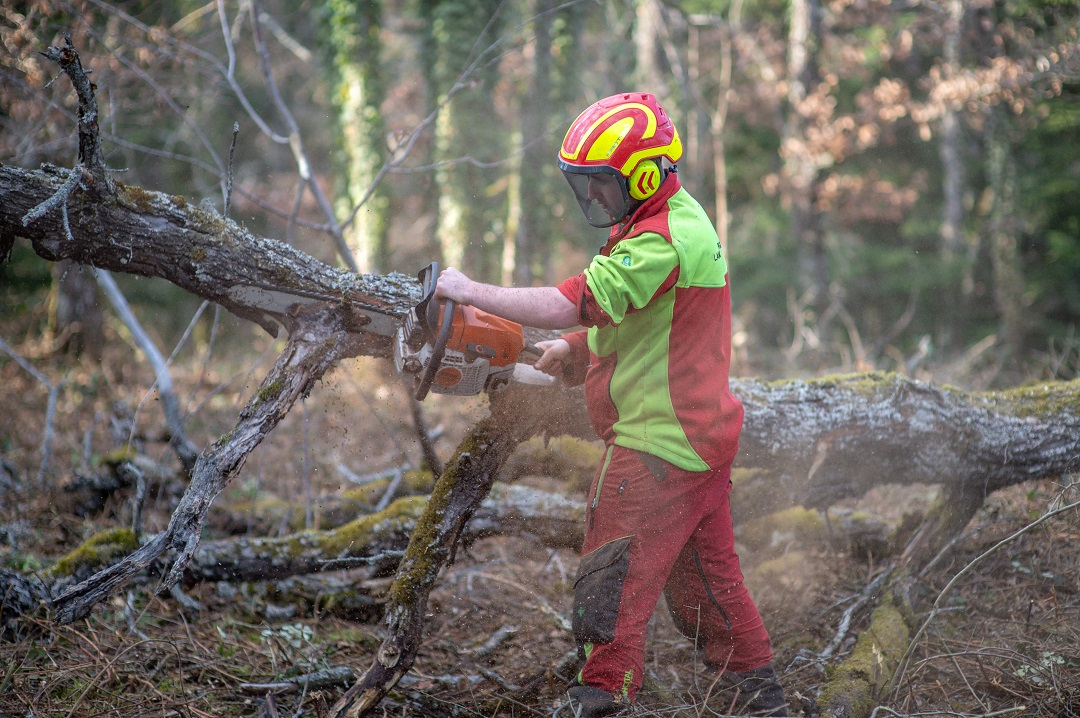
point(653, 527)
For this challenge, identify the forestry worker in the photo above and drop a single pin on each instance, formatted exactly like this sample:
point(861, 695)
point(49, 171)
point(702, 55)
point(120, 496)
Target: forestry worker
point(655, 361)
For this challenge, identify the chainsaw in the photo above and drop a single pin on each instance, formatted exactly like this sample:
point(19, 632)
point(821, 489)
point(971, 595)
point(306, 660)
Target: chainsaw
point(449, 349)
point(458, 349)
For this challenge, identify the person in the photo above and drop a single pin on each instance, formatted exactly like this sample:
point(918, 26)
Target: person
point(655, 361)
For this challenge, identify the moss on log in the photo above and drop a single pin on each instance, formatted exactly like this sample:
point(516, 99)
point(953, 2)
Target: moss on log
point(854, 687)
point(98, 551)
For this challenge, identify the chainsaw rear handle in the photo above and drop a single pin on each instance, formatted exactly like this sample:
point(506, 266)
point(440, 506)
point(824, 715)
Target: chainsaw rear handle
point(427, 311)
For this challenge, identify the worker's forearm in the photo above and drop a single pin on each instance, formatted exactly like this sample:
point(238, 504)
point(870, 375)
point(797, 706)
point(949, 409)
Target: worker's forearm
point(540, 307)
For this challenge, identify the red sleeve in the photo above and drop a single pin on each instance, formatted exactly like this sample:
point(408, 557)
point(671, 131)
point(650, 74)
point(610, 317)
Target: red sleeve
point(576, 289)
point(575, 369)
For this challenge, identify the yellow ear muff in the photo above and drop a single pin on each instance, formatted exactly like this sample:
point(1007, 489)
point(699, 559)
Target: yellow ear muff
point(644, 180)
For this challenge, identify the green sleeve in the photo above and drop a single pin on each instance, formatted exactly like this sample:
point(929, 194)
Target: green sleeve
point(630, 276)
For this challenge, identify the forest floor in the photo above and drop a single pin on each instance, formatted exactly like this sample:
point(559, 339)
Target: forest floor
point(496, 641)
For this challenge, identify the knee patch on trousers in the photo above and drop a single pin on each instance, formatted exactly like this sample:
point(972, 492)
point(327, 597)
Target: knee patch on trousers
point(598, 591)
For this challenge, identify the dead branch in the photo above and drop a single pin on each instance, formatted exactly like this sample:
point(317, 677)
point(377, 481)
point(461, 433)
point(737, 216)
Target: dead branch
point(517, 414)
point(310, 352)
point(186, 450)
point(90, 156)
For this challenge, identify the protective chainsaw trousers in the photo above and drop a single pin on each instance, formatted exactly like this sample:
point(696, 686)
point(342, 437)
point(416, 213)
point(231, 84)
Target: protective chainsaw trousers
point(653, 527)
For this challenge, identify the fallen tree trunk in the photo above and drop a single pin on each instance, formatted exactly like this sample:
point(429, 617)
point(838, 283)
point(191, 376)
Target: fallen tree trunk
point(816, 442)
point(375, 540)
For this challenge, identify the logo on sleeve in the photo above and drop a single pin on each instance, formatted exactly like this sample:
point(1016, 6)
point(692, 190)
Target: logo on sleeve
point(626, 260)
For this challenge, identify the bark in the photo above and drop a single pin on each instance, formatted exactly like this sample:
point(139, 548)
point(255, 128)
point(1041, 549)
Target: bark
point(464, 484)
point(800, 169)
point(816, 442)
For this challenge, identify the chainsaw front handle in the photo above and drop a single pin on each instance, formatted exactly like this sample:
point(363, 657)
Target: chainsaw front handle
point(427, 311)
point(438, 349)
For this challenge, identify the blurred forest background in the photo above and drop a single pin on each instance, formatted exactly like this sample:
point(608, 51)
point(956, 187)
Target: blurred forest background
point(896, 183)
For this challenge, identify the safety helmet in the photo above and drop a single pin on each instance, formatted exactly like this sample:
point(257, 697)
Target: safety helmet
point(611, 155)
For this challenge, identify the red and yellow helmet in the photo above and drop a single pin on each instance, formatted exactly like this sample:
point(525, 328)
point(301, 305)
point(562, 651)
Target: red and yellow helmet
point(611, 155)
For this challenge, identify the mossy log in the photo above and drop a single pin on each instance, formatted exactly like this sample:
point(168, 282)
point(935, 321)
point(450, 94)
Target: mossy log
point(854, 687)
point(375, 541)
point(378, 538)
point(519, 413)
point(813, 443)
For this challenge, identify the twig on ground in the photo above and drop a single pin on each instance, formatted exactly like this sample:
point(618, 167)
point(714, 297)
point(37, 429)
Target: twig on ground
point(872, 589)
point(936, 609)
point(336, 676)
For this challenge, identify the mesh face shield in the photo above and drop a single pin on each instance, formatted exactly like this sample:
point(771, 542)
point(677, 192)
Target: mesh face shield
point(601, 192)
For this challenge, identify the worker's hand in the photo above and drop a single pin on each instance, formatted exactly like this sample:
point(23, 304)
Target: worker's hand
point(453, 285)
point(556, 352)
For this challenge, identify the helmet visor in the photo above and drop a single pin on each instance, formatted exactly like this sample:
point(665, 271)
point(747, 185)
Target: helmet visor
point(601, 192)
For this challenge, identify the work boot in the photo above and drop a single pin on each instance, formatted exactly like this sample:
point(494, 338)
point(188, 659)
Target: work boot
point(753, 693)
point(589, 702)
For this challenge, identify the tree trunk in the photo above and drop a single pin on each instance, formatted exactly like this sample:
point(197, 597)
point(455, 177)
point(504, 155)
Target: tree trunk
point(468, 136)
point(353, 29)
point(952, 181)
point(533, 226)
point(800, 170)
point(75, 313)
point(1004, 254)
point(649, 72)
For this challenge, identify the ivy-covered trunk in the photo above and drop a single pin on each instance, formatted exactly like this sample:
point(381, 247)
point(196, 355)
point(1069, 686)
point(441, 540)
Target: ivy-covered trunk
point(352, 30)
point(469, 136)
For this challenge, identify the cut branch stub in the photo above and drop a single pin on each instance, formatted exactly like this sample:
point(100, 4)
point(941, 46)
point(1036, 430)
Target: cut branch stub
point(90, 156)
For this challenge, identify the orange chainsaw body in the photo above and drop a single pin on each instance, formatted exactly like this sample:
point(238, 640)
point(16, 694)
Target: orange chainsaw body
point(498, 340)
point(481, 348)
point(463, 353)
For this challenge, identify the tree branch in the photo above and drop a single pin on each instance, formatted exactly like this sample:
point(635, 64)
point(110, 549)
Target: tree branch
point(309, 354)
point(90, 156)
